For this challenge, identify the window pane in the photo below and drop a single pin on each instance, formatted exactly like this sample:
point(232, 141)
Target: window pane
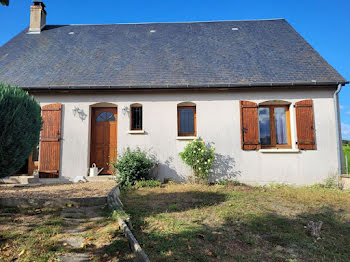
point(101, 117)
point(186, 120)
point(264, 126)
point(136, 115)
point(111, 119)
point(280, 125)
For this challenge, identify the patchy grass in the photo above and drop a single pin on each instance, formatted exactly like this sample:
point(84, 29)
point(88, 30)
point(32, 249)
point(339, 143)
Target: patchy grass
point(28, 235)
point(239, 223)
point(37, 235)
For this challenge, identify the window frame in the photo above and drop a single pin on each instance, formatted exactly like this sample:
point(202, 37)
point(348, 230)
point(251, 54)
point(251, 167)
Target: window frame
point(194, 121)
point(273, 144)
point(131, 117)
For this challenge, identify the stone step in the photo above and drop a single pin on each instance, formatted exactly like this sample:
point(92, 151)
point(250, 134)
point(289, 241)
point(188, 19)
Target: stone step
point(77, 221)
point(74, 257)
point(22, 180)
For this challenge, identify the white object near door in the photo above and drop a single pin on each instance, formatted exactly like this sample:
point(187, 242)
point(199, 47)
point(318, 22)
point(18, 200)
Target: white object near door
point(94, 170)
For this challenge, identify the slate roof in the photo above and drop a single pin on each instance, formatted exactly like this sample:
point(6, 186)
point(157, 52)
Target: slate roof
point(164, 55)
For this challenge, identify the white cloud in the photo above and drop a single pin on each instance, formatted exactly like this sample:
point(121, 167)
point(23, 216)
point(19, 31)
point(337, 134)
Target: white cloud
point(345, 130)
point(348, 113)
point(341, 106)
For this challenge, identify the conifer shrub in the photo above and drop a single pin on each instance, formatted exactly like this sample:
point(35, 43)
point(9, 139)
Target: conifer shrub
point(20, 125)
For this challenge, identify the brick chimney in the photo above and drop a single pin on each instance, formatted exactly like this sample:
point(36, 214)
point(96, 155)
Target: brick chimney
point(37, 17)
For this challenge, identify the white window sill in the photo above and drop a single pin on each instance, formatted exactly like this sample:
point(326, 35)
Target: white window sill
point(281, 150)
point(186, 137)
point(135, 132)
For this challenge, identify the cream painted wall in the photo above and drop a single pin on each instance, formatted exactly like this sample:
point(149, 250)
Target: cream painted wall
point(218, 121)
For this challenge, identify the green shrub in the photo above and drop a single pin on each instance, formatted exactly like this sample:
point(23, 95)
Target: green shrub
point(132, 166)
point(19, 129)
point(200, 157)
point(148, 183)
point(346, 150)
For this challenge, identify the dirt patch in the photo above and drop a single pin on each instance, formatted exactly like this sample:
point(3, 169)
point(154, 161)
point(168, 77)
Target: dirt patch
point(79, 190)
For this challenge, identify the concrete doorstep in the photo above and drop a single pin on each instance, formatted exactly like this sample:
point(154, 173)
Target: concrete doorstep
point(115, 204)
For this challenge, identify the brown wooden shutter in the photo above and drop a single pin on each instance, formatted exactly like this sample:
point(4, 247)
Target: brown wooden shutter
point(249, 125)
point(304, 114)
point(50, 141)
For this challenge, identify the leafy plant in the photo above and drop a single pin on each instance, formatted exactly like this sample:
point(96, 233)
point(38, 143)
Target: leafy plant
point(132, 166)
point(200, 157)
point(19, 129)
point(148, 183)
point(331, 182)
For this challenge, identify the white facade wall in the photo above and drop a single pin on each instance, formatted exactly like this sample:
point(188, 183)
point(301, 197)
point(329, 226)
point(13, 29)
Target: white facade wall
point(218, 121)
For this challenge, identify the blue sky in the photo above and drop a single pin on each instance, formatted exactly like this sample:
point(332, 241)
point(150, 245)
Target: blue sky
point(325, 24)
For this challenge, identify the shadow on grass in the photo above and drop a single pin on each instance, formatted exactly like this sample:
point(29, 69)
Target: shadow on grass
point(266, 236)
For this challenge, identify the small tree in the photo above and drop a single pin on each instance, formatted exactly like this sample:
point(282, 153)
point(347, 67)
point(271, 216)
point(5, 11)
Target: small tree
point(4, 2)
point(132, 166)
point(20, 127)
point(199, 157)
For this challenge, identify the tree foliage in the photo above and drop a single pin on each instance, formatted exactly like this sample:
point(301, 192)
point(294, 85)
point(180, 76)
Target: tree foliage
point(20, 117)
point(5, 2)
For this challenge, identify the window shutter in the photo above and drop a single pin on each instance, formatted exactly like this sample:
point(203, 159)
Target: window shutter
point(304, 114)
point(50, 141)
point(249, 125)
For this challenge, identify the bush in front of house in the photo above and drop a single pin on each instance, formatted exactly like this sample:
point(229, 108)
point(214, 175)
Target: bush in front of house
point(132, 166)
point(200, 157)
point(20, 125)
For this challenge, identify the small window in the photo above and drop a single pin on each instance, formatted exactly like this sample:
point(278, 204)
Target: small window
point(136, 117)
point(105, 116)
point(186, 118)
point(274, 126)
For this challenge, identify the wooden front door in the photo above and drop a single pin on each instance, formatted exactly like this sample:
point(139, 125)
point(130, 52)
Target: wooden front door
point(103, 137)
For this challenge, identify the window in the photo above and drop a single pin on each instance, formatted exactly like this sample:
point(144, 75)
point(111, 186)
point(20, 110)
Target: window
point(186, 120)
point(274, 126)
point(136, 117)
point(105, 116)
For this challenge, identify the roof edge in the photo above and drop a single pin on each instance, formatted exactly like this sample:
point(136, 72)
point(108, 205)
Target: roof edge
point(182, 86)
point(185, 22)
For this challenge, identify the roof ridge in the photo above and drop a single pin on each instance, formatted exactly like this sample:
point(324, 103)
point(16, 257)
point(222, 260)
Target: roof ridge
point(182, 22)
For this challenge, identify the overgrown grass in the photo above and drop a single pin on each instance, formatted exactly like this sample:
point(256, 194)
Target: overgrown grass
point(239, 223)
point(38, 235)
point(147, 183)
point(28, 235)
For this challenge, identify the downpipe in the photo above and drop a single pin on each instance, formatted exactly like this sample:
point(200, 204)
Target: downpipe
point(338, 128)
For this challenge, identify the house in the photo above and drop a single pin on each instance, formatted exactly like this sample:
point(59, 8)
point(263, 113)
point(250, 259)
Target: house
point(255, 89)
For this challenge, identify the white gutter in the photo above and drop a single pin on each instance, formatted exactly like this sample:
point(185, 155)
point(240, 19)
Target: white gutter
point(338, 129)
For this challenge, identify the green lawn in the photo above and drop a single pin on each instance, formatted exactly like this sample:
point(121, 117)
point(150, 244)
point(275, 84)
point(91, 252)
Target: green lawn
point(239, 223)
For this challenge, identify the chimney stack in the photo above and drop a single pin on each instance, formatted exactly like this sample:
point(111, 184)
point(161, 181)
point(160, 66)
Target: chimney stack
point(37, 17)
